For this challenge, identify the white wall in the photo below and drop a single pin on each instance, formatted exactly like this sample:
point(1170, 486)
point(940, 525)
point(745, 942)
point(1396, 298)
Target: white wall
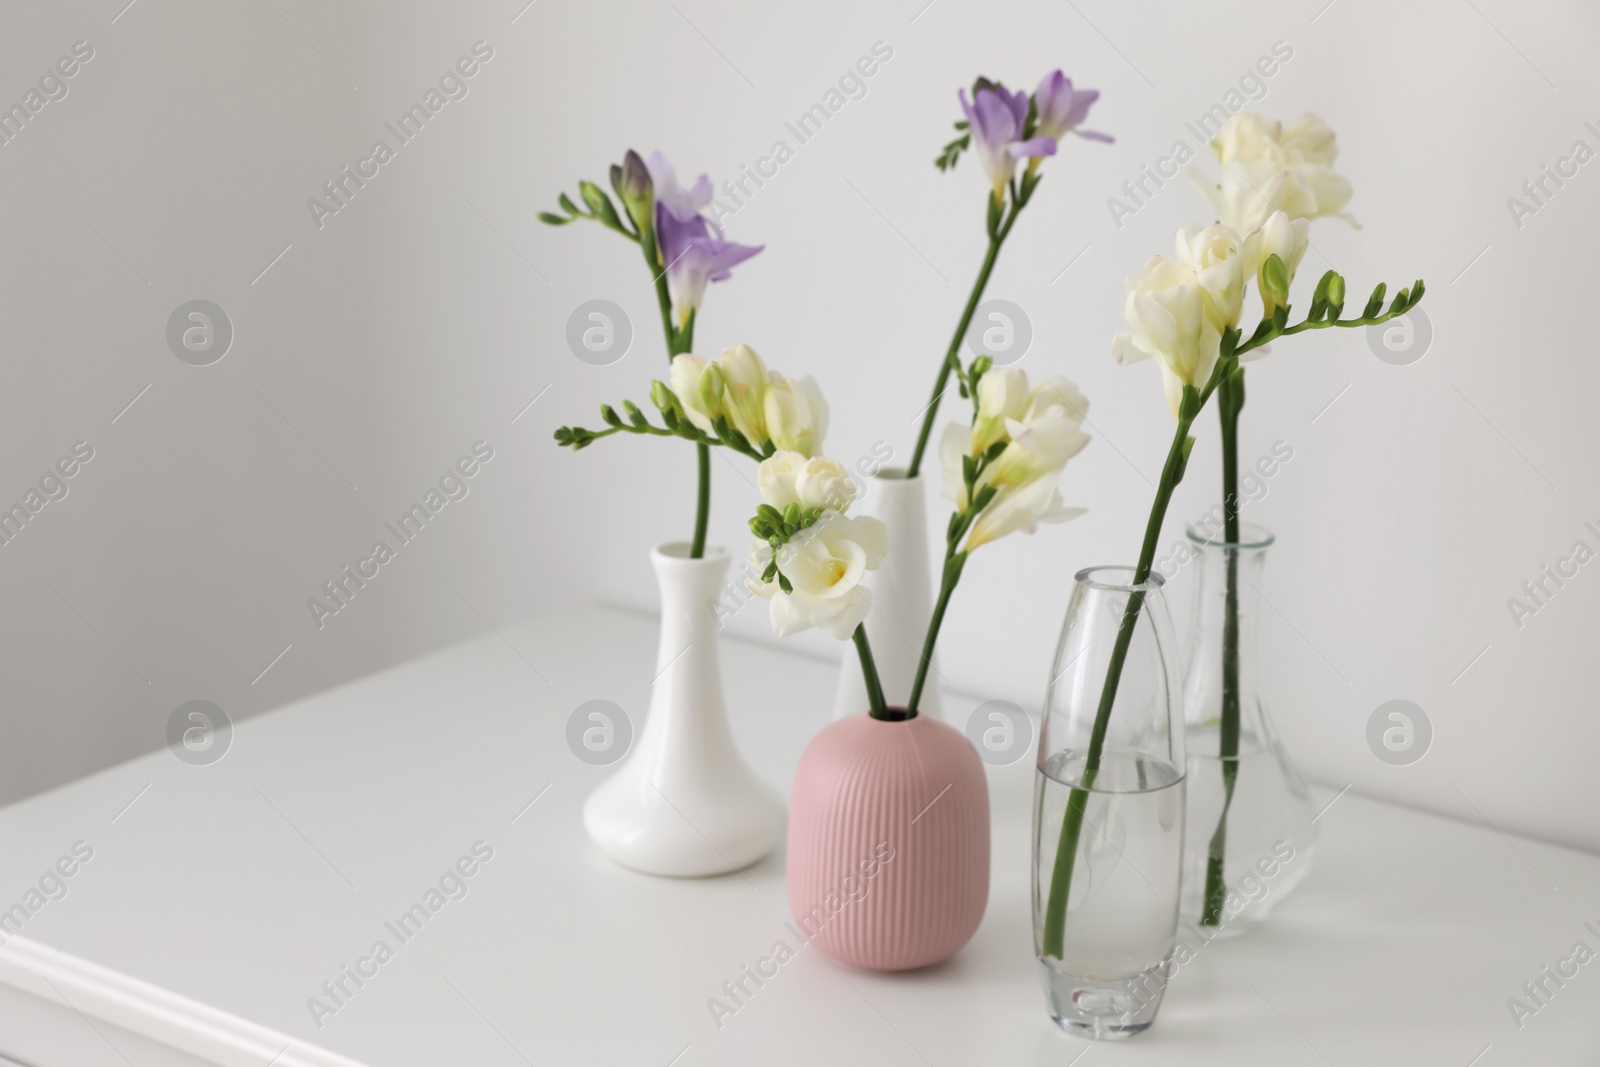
point(428, 313)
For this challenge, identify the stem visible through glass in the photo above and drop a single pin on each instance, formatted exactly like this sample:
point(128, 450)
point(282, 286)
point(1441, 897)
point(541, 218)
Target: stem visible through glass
point(1055, 916)
point(1230, 400)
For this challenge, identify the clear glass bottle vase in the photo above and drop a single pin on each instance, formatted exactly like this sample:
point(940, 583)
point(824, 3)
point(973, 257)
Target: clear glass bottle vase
point(1108, 816)
point(1251, 835)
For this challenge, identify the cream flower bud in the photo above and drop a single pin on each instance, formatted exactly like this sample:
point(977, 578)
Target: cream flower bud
point(711, 388)
point(1042, 430)
point(685, 380)
point(1280, 237)
point(822, 483)
point(745, 384)
point(1166, 308)
point(1215, 254)
point(1002, 394)
point(775, 478)
point(796, 415)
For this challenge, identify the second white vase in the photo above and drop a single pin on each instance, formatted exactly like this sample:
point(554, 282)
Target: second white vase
point(684, 802)
point(902, 601)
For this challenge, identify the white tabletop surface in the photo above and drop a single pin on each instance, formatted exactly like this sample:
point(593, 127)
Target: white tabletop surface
point(245, 884)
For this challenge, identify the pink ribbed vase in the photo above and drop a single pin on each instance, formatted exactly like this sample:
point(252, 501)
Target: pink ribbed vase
point(889, 842)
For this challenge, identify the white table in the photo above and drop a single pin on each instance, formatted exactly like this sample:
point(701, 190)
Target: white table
point(220, 901)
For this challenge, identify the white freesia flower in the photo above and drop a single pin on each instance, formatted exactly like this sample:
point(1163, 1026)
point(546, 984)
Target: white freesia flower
point(787, 477)
point(776, 476)
point(823, 483)
point(1215, 254)
point(745, 384)
point(1166, 308)
point(796, 414)
point(685, 381)
point(762, 405)
point(1269, 167)
point(1021, 508)
point(1278, 236)
point(825, 562)
point(1309, 140)
point(1042, 428)
point(1002, 395)
point(825, 565)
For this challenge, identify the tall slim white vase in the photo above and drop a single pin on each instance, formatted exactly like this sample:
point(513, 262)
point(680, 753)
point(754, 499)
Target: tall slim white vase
point(684, 803)
point(902, 601)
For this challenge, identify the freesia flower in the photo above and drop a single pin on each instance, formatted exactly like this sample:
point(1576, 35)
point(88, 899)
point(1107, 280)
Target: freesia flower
point(1166, 308)
point(761, 404)
point(1060, 109)
point(995, 119)
point(689, 382)
point(1269, 167)
point(1042, 429)
point(825, 563)
point(825, 572)
point(633, 185)
point(1215, 254)
point(775, 478)
point(1280, 237)
point(786, 478)
point(796, 414)
point(745, 378)
point(691, 246)
point(693, 257)
point(1002, 395)
point(684, 204)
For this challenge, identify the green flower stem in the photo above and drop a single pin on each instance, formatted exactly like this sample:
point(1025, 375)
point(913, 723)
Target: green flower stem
point(1230, 400)
point(679, 341)
point(1055, 916)
point(953, 563)
point(652, 256)
point(1267, 336)
point(869, 671)
point(702, 508)
point(579, 437)
point(955, 558)
point(637, 227)
point(997, 238)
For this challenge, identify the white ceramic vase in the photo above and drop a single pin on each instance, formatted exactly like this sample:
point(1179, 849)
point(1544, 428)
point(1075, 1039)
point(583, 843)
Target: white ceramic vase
point(684, 803)
point(902, 602)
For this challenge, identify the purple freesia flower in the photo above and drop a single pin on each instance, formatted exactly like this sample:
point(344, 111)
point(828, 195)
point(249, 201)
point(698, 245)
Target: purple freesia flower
point(1062, 109)
point(685, 204)
point(996, 119)
point(693, 256)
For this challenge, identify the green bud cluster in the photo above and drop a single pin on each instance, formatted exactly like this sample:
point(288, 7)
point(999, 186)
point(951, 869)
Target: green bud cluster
point(631, 182)
point(674, 423)
point(777, 529)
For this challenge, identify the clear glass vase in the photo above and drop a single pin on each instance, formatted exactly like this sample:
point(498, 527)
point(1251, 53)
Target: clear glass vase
point(1250, 836)
point(1108, 815)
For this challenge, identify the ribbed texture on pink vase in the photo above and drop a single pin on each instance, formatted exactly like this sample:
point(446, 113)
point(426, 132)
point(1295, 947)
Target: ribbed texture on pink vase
point(866, 786)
